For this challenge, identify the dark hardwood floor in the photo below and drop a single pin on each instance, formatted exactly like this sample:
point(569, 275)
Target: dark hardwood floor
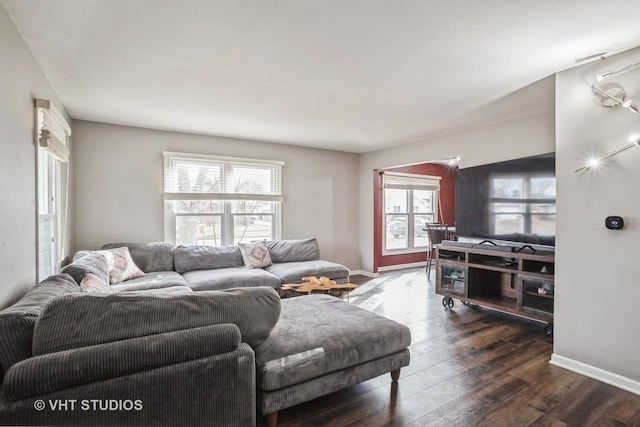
point(469, 367)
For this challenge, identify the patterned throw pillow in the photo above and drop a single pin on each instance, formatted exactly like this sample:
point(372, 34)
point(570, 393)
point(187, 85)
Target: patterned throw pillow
point(92, 283)
point(255, 255)
point(121, 266)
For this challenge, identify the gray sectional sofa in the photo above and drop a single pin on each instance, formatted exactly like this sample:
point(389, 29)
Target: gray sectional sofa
point(159, 353)
point(199, 268)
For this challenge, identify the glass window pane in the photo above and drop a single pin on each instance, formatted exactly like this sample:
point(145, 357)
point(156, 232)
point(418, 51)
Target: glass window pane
point(46, 260)
point(396, 232)
point(214, 222)
point(252, 180)
point(395, 201)
point(50, 214)
point(198, 177)
point(252, 206)
point(423, 201)
point(420, 238)
point(247, 228)
point(198, 230)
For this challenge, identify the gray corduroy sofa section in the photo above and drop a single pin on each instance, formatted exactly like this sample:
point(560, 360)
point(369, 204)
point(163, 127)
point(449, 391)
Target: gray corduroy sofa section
point(187, 358)
point(321, 345)
point(132, 358)
point(199, 268)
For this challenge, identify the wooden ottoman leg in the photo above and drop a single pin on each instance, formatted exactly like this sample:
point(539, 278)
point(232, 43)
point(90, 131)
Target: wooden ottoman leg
point(272, 419)
point(395, 375)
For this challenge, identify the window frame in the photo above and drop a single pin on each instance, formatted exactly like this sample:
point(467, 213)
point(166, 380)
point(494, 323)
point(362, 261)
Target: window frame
point(48, 213)
point(409, 183)
point(226, 196)
point(52, 133)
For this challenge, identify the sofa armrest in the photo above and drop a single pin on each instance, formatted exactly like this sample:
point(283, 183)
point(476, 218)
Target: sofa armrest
point(214, 391)
point(61, 370)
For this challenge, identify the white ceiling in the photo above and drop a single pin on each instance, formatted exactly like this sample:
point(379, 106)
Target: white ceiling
point(351, 75)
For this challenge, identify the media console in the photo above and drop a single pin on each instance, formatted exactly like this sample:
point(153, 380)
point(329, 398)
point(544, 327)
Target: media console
point(514, 279)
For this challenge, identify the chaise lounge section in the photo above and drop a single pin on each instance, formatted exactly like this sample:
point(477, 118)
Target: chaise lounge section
point(321, 345)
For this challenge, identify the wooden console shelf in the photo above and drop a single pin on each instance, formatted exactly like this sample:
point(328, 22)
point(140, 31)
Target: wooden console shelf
point(514, 279)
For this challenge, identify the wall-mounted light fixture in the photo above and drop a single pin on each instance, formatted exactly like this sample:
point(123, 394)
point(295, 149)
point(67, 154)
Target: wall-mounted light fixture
point(449, 161)
point(615, 95)
point(594, 162)
point(453, 161)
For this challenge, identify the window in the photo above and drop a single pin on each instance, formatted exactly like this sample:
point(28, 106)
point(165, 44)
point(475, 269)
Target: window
point(216, 201)
point(522, 203)
point(52, 169)
point(410, 201)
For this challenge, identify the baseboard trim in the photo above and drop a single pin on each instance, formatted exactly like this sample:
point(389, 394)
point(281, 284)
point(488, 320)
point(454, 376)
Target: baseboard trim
point(401, 266)
point(606, 377)
point(364, 273)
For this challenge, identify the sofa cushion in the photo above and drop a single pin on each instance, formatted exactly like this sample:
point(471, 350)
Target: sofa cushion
point(293, 250)
point(225, 278)
point(70, 321)
point(255, 255)
point(87, 262)
point(189, 258)
point(150, 257)
point(319, 334)
point(156, 280)
point(17, 321)
point(293, 272)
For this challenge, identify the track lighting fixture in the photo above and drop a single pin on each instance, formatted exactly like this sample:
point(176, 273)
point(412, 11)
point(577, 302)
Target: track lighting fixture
point(595, 162)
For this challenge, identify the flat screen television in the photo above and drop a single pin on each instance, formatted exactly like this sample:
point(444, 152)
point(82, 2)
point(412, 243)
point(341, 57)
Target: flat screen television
point(512, 201)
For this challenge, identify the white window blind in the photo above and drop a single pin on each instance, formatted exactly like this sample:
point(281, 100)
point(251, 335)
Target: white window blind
point(407, 181)
point(202, 177)
point(54, 130)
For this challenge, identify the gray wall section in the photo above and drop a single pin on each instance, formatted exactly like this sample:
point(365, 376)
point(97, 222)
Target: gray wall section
point(597, 273)
point(118, 186)
point(21, 80)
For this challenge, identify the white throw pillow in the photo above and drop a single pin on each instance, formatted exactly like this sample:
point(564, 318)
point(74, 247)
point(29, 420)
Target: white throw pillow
point(255, 254)
point(92, 283)
point(121, 266)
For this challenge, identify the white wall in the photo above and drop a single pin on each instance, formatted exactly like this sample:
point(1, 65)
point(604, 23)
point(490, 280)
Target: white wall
point(118, 186)
point(503, 141)
point(597, 274)
point(21, 80)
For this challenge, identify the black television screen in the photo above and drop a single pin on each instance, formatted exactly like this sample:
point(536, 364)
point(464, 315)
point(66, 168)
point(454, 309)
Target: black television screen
point(511, 201)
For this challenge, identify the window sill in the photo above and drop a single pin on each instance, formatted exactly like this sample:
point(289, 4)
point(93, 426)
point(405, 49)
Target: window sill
point(404, 251)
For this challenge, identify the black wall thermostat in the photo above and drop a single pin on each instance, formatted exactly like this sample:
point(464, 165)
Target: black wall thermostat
point(614, 222)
